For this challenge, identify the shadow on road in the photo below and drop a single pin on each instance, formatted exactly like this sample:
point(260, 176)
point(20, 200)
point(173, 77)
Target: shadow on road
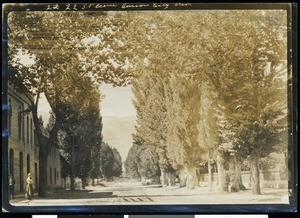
point(78, 194)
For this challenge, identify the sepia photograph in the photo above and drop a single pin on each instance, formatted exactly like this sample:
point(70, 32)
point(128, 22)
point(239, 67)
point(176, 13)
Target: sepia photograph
point(147, 104)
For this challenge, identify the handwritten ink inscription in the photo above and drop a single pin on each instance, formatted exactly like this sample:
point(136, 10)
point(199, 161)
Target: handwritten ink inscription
point(182, 4)
point(161, 5)
point(95, 6)
point(125, 5)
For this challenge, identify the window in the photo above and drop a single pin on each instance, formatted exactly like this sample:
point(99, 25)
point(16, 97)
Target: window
point(21, 172)
point(23, 125)
point(20, 123)
point(27, 129)
point(11, 162)
point(9, 116)
point(31, 132)
point(28, 163)
point(36, 175)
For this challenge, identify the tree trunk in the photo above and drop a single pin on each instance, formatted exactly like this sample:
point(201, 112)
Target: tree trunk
point(235, 166)
point(209, 175)
point(93, 181)
point(72, 166)
point(221, 175)
point(42, 172)
point(43, 152)
point(182, 177)
point(45, 145)
point(255, 180)
point(83, 183)
point(163, 178)
point(170, 178)
point(192, 180)
point(238, 173)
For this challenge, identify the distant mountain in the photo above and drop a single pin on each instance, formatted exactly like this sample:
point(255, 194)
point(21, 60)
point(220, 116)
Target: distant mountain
point(117, 132)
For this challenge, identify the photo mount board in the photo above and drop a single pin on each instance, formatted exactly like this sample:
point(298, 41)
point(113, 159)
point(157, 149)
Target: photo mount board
point(163, 208)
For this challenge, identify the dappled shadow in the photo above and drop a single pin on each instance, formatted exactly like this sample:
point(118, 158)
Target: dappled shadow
point(78, 194)
point(151, 186)
point(274, 192)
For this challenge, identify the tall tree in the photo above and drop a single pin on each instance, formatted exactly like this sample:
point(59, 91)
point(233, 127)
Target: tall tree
point(110, 162)
point(61, 45)
point(152, 122)
point(184, 116)
point(82, 127)
point(131, 163)
point(226, 50)
point(117, 166)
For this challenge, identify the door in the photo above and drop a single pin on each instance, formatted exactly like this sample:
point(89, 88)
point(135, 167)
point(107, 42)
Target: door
point(21, 172)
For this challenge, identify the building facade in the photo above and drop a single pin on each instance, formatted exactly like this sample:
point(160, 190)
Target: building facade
point(23, 148)
point(54, 179)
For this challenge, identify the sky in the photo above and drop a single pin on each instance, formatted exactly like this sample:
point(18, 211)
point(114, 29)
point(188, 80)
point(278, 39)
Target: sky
point(117, 101)
point(118, 116)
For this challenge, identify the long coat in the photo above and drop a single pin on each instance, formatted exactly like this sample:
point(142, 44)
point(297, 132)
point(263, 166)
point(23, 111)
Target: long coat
point(29, 188)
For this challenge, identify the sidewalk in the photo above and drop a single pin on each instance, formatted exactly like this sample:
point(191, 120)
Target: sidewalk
point(20, 196)
point(89, 192)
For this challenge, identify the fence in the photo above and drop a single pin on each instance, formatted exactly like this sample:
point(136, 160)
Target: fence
point(268, 179)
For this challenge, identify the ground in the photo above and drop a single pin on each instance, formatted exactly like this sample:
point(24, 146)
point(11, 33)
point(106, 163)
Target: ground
point(125, 192)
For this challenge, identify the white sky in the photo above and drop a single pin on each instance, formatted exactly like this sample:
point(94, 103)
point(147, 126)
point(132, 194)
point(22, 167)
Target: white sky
point(24, 58)
point(118, 116)
point(43, 104)
point(117, 101)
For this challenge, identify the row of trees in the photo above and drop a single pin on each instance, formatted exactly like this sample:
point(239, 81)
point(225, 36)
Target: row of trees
point(67, 68)
point(110, 162)
point(207, 84)
point(213, 88)
point(81, 146)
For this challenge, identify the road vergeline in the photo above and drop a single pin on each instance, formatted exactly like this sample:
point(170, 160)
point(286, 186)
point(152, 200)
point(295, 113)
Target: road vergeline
point(134, 193)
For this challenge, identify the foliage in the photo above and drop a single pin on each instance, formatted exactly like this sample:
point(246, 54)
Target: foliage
point(82, 132)
point(239, 55)
point(207, 84)
point(117, 165)
point(110, 162)
point(59, 52)
point(131, 163)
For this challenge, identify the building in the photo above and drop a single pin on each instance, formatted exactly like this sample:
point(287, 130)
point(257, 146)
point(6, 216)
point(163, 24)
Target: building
point(23, 148)
point(54, 179)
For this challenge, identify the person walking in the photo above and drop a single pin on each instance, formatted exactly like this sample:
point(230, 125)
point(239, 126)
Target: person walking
point(29, 188)
point(11, 182)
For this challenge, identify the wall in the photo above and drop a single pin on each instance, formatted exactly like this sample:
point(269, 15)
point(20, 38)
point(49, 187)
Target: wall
point(54, 169)
point(268, 179)
point(21, 141)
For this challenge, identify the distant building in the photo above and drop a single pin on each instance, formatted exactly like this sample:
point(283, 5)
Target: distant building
point(54, 179)
point(23, 149)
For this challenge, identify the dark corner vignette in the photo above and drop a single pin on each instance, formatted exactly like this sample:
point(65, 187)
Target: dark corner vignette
point(126, 107)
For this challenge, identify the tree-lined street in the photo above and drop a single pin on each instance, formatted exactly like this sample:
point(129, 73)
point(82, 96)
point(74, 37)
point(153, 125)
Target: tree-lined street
point(209, 90)
point(128, 192)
